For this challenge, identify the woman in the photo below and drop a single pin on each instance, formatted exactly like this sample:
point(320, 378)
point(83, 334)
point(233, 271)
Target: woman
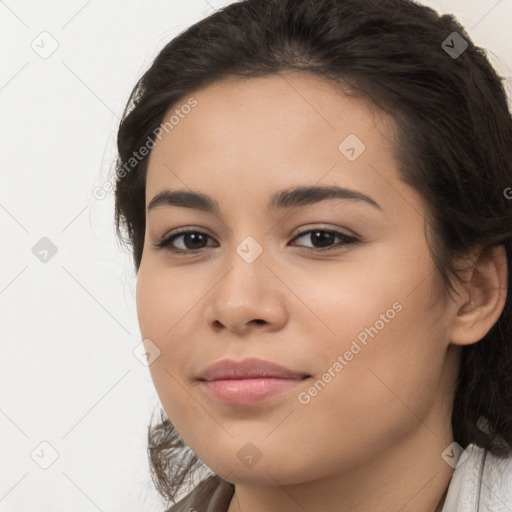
point(315, 194)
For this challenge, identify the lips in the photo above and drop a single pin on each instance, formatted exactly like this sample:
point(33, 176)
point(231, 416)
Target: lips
point(248, 369)
point(248, 382)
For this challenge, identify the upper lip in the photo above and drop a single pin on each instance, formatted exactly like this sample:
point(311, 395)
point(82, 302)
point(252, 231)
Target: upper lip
point(247, 369)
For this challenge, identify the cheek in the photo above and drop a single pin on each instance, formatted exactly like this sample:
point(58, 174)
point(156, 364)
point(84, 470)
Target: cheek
point(163, 299)
point(384, 324)
point(145, 300)
point(164, 310)
point(155, 306)
point(380, 395)
point(392, 352)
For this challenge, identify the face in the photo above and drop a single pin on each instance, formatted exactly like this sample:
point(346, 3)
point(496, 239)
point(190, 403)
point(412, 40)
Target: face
point(340, 289)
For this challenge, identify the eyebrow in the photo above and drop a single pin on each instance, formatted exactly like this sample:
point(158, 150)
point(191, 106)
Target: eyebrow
point(289, 198)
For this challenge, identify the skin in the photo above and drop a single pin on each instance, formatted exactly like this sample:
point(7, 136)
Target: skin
point(372, 438)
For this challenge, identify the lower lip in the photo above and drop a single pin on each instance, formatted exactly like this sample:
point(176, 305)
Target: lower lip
point(248, 391)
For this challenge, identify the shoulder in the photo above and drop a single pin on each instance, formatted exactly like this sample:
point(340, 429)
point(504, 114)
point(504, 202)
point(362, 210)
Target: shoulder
point(213, 494)
point(482, 481)
point(496, 488)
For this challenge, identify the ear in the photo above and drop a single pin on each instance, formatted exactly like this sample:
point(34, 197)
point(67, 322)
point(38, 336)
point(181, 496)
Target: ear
point(482, 303)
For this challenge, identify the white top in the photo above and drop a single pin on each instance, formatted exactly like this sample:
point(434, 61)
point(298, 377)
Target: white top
point(481, 482)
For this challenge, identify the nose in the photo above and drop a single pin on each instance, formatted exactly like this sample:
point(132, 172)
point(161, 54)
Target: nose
point(247, 296)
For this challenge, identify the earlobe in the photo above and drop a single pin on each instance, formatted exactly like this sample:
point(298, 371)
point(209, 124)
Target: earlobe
point(485, 297)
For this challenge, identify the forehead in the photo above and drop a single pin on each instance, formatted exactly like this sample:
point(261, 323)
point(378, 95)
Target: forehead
point(265, 106)
point(260, 134)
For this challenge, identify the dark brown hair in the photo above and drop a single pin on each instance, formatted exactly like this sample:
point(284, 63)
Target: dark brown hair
point(454, 146)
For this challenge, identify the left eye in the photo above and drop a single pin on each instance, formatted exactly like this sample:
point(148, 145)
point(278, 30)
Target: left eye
point(326, 237)
point(193, 241)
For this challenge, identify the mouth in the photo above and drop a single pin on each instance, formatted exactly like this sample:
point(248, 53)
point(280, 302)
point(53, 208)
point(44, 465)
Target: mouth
point(249, 381)
point(249, 390)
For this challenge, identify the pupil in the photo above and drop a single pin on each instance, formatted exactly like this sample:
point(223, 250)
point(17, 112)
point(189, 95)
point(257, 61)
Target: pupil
point(195, 237)
point(324, 236)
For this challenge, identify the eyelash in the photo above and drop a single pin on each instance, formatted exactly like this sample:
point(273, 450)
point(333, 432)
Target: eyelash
point(165, 243)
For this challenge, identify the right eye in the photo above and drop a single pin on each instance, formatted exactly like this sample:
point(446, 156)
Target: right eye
point(192, 240)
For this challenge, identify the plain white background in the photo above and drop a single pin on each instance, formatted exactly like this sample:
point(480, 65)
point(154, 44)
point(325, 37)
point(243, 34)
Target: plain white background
point(69, 375)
